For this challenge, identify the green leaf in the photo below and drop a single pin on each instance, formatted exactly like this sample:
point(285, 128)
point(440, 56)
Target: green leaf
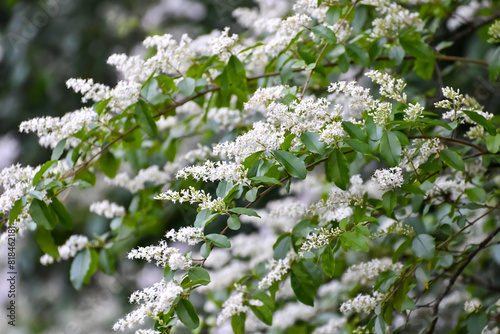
point(303, 284)
point(94, 265)
point(476, 322)
point(328, 261)
point(359, 146)
point(493, 143)
point(205, 249)
point(264, 312)
point(476, 194)
point(225, 189)
point(42, 171)
point(282, 246)
point(401, 249)
point(79, 268)
point(355, 131)
point(390, 148)
point(479, 119)
point(87, 176)
point(293, 165)
point(200, 275)
point(58, 150)
point(46, 242)
point(109, 164)
point(40, 213)
point(238, 323)
point(326, 33)
point(266, 179)
point(233, 222)
point(379, 325)
point(354, 241)
point(219, 240)
point(452, 159)
point(412, 188)
point(358, 54)
point(245, 211)
point(187, 314)
point(312, 143)
point(424, 246)
point(204, 217)
point(144, 118)
point(100, 107)
point(62, 213)
point(337, 169)
point(494, 65)
point(187, 86)
point(333, 14)
point(413, 44)
point(15, 211)
point(389, 202)
point(106, 261)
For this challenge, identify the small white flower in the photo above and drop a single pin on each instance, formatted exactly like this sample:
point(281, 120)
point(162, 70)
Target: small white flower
point(472, 305)
point(232, 306)
point(107, 209)
point(388, 178)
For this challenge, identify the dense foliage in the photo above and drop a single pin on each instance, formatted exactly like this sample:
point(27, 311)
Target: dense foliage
point(329, 176)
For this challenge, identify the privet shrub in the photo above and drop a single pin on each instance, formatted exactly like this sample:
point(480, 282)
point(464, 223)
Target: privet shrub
point(338, 184)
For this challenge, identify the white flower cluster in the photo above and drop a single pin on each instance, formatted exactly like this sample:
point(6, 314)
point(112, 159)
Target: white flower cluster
point(72, 246)
point(366, 271)
point(153, 300)
point(393, 19)
point(123, 95)
point(232, 306)
point(216, 171)
point(192, 195)
point(151, 174)
point(288, 29)
point(359, 100)
point(494, 330)
point(163, 255)
point(388, 178)
point(171, 56)
point(263, 95)
point(307, 115)
point(262, 137)
point(190, 235)
point(362, 303)
point(222, 45)
point(410, 160)
point(331, 133)
point(395, 228)
point(413, 112)
point(337, 206)
point(494, 32)
point(15, 181)
point(278, 268)
point(319, 238)
point(107, 209)
point(456, 103)
point(51, 130)
point(133, 68)
point(390, 87)
point(472, 305)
